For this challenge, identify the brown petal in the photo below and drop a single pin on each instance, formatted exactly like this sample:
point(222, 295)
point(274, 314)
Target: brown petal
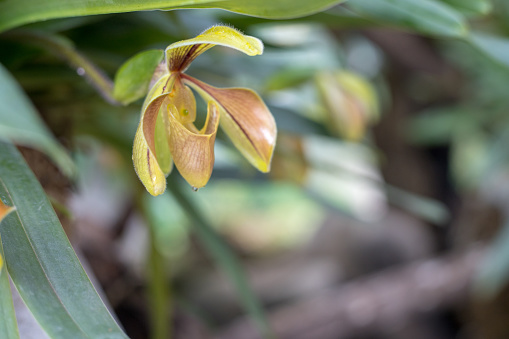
point(245, 119)
point(144, 158)
point(193, 153)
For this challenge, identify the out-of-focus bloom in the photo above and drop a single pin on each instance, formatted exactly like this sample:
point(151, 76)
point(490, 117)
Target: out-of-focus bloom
point(167, 133)
point(350, 101)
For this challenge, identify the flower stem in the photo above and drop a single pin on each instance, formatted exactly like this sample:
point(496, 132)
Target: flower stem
point(64, 49)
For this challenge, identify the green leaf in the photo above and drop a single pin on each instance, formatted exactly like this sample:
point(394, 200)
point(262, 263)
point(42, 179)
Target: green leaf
point(8, 325)
point(422, 16)
point(270, 9)
point(41, 261)
point(15, 13)
point(494, 47)
point(224, 257)
point(470, 7)
point(20, 123)
point(133, 77)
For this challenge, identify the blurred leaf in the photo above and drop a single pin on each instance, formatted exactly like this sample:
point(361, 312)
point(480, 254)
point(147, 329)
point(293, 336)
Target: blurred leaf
point(430, 210)
point(224, 257)
point(133, 77)
point(169, 223)
point(470, 150)
point(494, 47)
point(470, 7)
point(41, 261)
point(436, 126)
point(289, 77)
point(422, 16)
point(8, 325)
point(18, 12)
point(20, 123)
point(494, 272)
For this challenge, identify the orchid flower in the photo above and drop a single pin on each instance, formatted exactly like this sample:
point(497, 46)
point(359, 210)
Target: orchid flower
point(167, 133)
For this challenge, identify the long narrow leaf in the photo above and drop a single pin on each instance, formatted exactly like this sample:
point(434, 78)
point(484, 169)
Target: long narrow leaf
point(41, 261)
point(20, 123)
point(8, 326)
point(14, 13)
point(422, 16)
point(494, 47)
point(225, 258)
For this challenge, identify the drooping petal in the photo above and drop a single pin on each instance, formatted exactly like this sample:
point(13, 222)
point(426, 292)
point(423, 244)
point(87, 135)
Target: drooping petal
point(192, 152)
point(146, 154)
point(246, 120)
point(180, 54)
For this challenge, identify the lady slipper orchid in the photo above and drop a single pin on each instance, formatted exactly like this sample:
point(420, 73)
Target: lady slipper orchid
point(167, 133)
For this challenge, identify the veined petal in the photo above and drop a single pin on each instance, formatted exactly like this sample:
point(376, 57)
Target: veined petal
point(192, 152)
point(146, 155)
point(180, 54)
point(144, 159)
point(245, 119)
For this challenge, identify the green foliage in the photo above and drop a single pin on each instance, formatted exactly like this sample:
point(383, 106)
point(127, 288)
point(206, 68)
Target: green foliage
point(471, 7)
point(20, 123)
point(15, 13)
point(471, 123)
point(41, 261)
point(133, 77)
point(495, 47)
point(8, 325)
point(422, 16)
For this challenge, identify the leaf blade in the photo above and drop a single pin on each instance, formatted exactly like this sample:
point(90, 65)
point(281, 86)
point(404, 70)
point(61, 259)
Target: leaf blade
point(8, 324)
point(133, 77)
point(15, 13)
point(424, 16)
point(20, 123)
point(41, 261)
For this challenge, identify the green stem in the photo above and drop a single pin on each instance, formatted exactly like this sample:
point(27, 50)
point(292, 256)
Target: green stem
point(159, 294)
point(64, 49)
point(224, 257)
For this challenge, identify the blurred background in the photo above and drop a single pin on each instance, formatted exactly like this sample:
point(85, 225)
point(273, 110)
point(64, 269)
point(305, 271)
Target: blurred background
point(384, 215)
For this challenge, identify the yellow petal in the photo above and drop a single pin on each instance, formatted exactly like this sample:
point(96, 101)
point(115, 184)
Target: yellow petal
point(193, 153)
point(245, 119)
point(180, 54)
point(161, 142)
point(145, 151)
point(183, 99)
